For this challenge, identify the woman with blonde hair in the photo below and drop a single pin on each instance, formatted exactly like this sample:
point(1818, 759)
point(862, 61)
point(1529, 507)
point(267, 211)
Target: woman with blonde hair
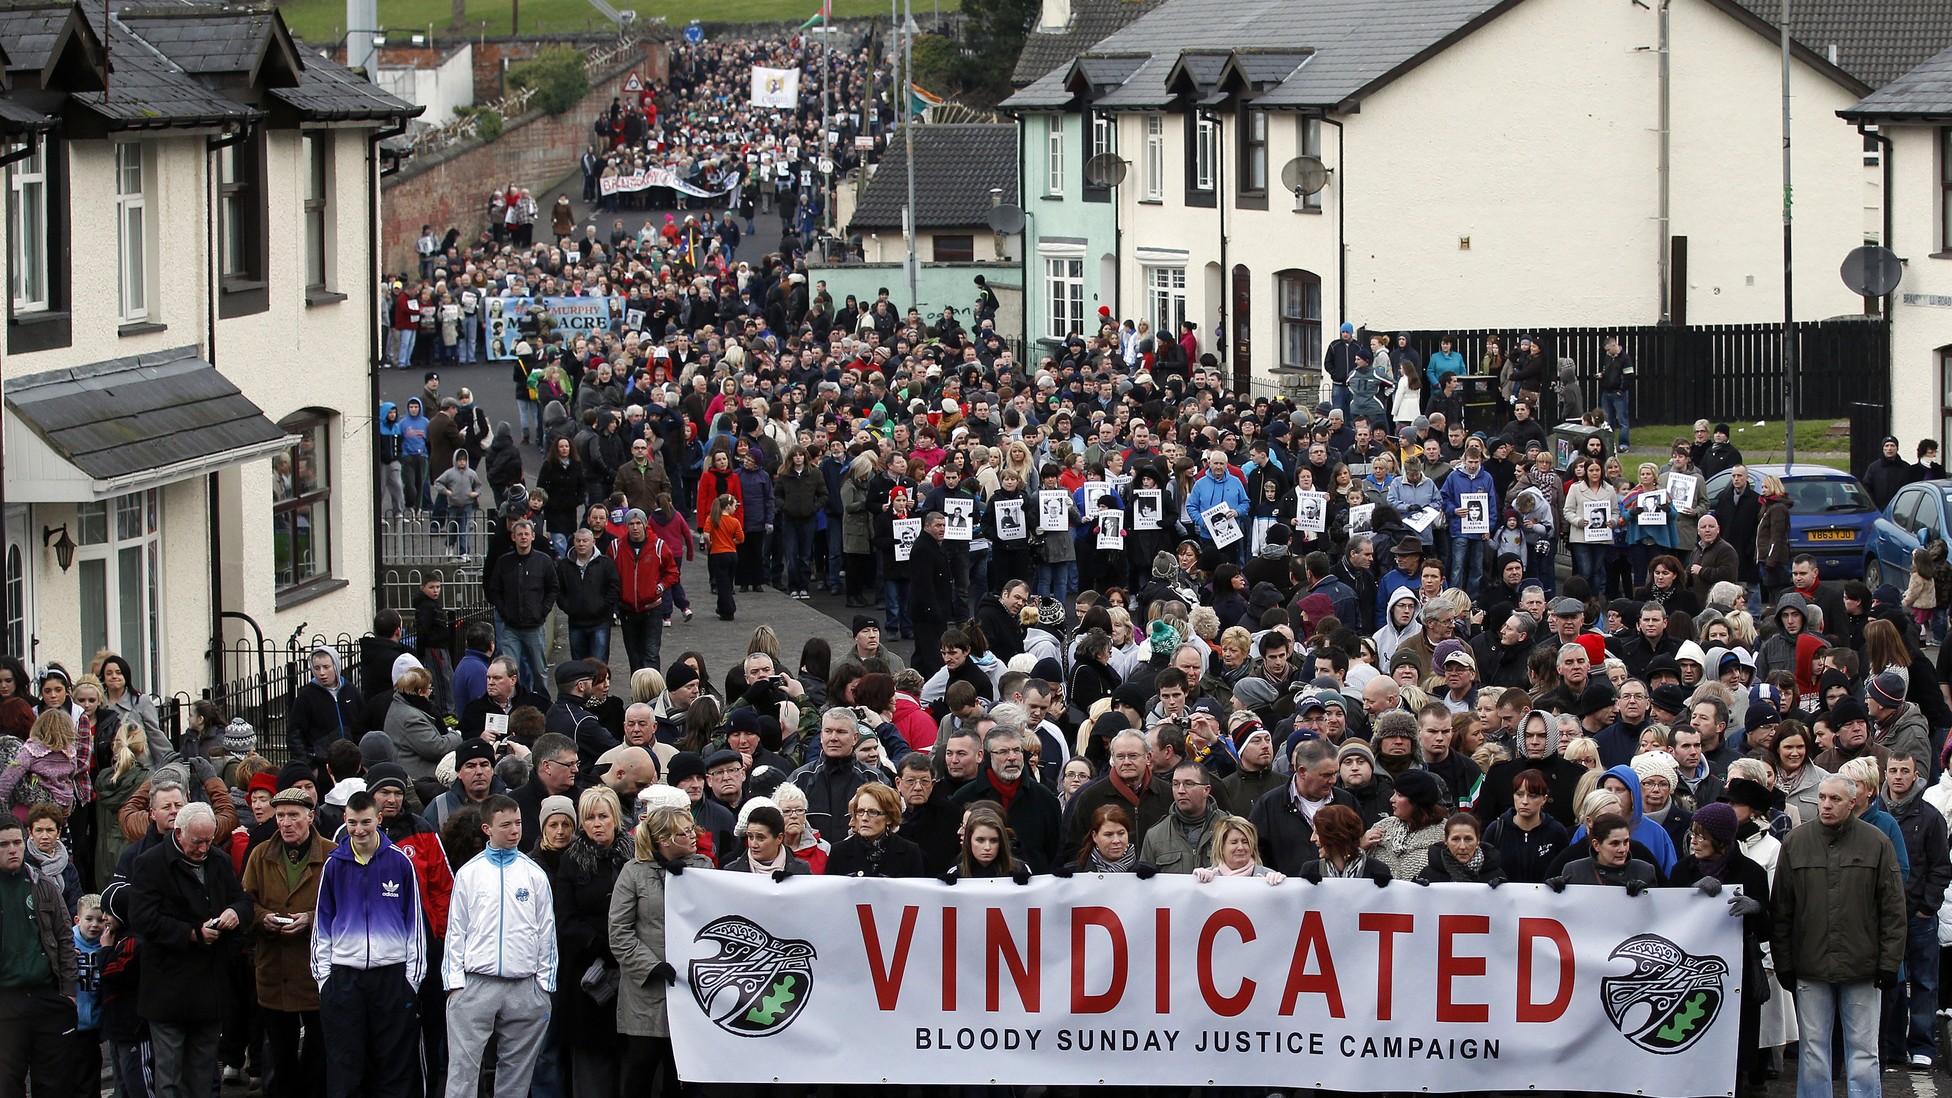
point(666, 845)
point(128, 769)
point(1235, 851)
point(857, 527)
point(646, 685)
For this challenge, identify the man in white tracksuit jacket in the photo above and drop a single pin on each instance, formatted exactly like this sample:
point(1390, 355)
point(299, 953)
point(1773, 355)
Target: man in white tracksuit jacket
point(500, 966)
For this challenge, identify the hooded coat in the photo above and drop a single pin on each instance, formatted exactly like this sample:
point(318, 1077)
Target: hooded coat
point(319, 716)
point(1645, 831)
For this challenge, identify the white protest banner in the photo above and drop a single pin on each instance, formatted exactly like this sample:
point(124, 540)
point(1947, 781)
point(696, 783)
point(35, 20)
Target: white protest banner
point(778, 88)
point(1147, 505)
point(1111, 529)
point(1009, 519)
point(662, 177)
point(1053, 510)
point(960, 518)
point(1311, 512)
point(509, 321)
point(1423, 518)
point(1113, 980)
point(1476, 519)
point(1651, 508)
point(1595, 514)
point(906, 531)
point(1361, 518)
point(1092, 491)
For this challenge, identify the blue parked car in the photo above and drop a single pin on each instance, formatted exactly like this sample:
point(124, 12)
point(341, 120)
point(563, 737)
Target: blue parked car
point(1830, 515)
point(1918, 513)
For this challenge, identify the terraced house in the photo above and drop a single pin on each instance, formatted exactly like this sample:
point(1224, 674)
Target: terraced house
point(1482, 164)
point(191, 208)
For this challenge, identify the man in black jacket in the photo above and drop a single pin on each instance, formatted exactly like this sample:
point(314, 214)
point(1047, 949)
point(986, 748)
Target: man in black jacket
point(831, 780)
point(1909, 1019)
point(929, 818)
point(1032, 810)
point(571, 717)
point(997, 614)
point(1338, 362)
point(192, 917)
point(1129, 783)
point(1617, 372)
point(505, 695)
point(37, 1009)
point(555, 774)
point(1285, 817)
point(590, 589)
point(931, 598)
point(523, 588)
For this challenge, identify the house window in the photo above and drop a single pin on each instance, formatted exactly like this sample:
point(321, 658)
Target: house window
point(119, 563)
point(1309, 141)
point(1165, 298)
point(318, 238)
point(1064, 292)
point(131, 233)
point(1945, 190)
point(16, 624)
point(1253, 151)
point(1104, 134)
point(301, 503)
point(1299, 297)
point(1945, 398)
point(1054, 158)
point(951, 248)
point(28, 275)
point(1155, 157)
point(1202, 153)
point(244, 227)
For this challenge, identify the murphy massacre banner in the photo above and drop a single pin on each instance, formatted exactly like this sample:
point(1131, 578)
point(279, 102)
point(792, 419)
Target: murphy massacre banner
point(1121, 981)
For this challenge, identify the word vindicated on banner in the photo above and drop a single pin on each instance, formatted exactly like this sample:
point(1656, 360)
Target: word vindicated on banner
point(1459, 987)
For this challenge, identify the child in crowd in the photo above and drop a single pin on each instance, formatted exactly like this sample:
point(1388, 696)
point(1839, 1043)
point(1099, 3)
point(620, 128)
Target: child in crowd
point(723, 533)
point(118, 970)
point(89, 921)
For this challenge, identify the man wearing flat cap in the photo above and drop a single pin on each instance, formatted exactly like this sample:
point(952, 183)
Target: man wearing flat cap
point(571, 715)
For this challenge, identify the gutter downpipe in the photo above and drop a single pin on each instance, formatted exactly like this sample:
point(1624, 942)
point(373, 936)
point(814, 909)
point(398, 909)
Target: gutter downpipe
point(1664, 141)
point(211, 499)
point(374, 173)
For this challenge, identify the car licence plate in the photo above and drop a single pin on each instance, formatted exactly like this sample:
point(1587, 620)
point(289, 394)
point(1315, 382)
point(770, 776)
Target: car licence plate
point(1833, 535)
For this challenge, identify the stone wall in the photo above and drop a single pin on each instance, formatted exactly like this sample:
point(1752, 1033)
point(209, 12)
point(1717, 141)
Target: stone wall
point(450, 188)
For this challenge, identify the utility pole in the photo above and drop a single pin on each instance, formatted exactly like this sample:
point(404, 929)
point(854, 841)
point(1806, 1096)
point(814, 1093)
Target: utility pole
point(1789, 295)
point(908, 142)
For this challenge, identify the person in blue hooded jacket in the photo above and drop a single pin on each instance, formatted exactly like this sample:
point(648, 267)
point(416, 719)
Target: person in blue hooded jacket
point(1470, 477)
point(413, 456)
point(1622, 779)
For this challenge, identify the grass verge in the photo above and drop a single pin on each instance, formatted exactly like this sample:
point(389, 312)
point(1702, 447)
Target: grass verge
point(323, 21)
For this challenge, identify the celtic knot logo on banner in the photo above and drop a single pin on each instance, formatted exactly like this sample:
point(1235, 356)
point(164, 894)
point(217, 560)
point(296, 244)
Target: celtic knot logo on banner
point(756, 984)
point(1669, 999)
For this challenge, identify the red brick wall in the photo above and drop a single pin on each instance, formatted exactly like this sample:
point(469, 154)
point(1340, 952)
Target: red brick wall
point(451, 188)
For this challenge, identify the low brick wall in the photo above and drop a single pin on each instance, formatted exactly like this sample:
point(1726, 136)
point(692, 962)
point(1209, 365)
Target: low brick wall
point(450, 188)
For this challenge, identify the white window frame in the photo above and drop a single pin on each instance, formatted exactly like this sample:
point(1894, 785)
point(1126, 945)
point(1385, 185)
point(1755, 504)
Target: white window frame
point(1054, 157)
point(1165, 297)
point(1104, 133)
point(108, 543)
point(1155, 157)
point(31, 272)
point(1064, 295)
point(1206, 153)
point(131, 233)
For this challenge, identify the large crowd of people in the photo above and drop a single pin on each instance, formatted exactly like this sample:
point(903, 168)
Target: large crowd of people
point(1107, 615)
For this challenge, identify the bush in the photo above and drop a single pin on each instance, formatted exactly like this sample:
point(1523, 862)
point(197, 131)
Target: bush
point(557, 76)
point(488, 123)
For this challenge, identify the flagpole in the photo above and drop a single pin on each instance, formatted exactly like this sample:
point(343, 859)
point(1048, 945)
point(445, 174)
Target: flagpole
point(908, 140)
point(826, 94)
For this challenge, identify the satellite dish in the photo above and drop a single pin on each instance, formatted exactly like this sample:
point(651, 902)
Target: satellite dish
point(1104, 171)
point(1304, 175)
point(1872, 271)
point(1006, 219)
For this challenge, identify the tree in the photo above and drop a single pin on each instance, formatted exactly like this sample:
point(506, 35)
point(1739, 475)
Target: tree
point(557, 76)
point(993, 36)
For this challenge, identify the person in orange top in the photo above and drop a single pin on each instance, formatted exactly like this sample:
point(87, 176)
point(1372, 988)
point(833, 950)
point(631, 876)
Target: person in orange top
point(724, 530)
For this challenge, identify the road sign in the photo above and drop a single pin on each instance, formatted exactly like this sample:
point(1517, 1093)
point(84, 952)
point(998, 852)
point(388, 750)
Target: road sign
point(694, 34)
point(826, 166)
point(633, 84)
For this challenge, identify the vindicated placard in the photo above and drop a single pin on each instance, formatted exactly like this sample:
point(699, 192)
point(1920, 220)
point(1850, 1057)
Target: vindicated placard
point(1121, 981)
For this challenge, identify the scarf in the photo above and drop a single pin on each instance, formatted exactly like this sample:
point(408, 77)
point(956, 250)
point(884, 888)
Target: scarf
point(1244, 871)
point(1788, 782)
point(586, 859)
point(1127, 792)
point(1454, 869)
point(1713, 867)
point(502, 859)
point(1007, 791)
point(778, 862)
point(1351, 868)
point(1097, 863)
point(52, 866)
